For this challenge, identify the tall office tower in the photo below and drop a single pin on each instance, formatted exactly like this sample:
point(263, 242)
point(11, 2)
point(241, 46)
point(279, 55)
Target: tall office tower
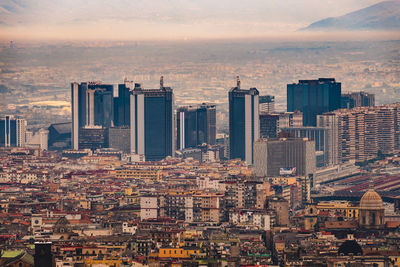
point(12, 131)
point(244, 127)
point(274, 157)
point(196, 125)
point(152, 122)
point(122, 104)
point(314, 97)
point(267, 103)
point(92, 105)
point(357, 99)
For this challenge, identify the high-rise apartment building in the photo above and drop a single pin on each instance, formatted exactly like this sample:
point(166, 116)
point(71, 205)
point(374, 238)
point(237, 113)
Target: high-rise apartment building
point(12, 131)
point(357, 99)
point(244, 128)
point(364, 132)
point(273, 156)
point(92, 105)
point(314, 97)
point(152, 122)
point(196, 125)
point(267, 103)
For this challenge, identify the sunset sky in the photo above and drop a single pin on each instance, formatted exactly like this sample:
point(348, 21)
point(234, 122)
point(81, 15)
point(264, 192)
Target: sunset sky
point(163, 19)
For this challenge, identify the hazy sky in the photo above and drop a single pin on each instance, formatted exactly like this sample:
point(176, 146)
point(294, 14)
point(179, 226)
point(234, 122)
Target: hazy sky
point(163, 19)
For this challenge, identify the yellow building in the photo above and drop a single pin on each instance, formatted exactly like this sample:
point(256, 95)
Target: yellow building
point(347, 209)
point(284, 180)
point(141, 174)
point(115, 263)
point(177, 252)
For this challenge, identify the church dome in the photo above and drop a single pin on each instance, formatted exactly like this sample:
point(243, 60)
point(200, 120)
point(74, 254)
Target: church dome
point(371, 200)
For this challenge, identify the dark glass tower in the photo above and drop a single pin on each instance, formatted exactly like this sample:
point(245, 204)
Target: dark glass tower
point(196, 125)
point(152, 124)
point(314, 97)
point(122, 104)
point(244, 127)
point(92, 105)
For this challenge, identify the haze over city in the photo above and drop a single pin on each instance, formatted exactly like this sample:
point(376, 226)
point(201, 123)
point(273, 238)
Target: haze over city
point(199, 133)
point(165, 20)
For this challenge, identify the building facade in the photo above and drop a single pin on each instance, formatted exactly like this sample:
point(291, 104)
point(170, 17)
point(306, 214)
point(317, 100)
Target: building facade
point(152, 122)
point(244, 127)
point(12, 131)
point(314, 97)
point(92, 105)
point(267, 103)
point(358, 99)
point(364, 132)
point(273, 156)
point(196, 125)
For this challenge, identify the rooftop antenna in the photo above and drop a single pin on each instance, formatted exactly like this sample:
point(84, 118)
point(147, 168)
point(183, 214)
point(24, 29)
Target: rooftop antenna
point(162, 82)
point(238, 82)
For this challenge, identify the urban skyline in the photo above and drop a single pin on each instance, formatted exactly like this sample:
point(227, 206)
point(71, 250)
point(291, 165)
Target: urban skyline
point(187, 133)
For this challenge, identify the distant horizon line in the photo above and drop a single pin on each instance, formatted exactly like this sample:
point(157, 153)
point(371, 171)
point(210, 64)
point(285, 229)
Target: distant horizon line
point(296, 36)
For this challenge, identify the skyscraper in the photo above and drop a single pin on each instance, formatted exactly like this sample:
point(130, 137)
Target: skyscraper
point(122, 104)
point(196, 125)
point(244, 127)
point(12, 131)
point(92, 105)
point(152, 122)
point(314, 97)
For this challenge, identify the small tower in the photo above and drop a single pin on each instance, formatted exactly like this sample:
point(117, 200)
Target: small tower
point(162, 82)
point(237, 82)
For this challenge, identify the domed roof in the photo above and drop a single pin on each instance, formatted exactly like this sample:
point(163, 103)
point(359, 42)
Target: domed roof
point(350, 247)
point(371, 200)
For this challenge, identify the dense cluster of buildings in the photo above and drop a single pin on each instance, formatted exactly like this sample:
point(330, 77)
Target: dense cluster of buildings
point(101, 210)
point(134, 180)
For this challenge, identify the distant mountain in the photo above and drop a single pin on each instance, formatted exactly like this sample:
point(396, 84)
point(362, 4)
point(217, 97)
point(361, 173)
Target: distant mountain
point(382, 16)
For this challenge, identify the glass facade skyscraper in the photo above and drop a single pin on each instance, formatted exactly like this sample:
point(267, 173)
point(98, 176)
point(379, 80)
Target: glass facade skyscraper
point(196, 125)
point(122, 104)
point(314, 97)
point(92, 105)
point(152, 122)
point(244, 127)
point(12, 131)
